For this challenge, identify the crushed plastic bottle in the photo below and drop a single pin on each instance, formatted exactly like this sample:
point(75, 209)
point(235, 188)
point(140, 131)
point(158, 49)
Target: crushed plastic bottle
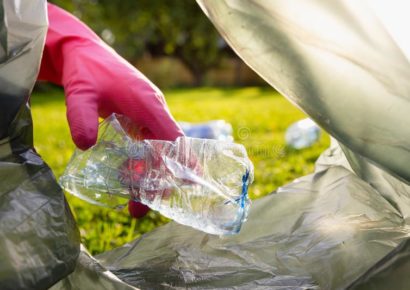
point(302, 134)
point(197, 182)
point(216, 129)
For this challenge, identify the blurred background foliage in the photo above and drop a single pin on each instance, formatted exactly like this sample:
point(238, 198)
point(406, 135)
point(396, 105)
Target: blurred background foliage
point(176, 32)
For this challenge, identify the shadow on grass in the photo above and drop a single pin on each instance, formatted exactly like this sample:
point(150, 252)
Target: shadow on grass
point(223, 92)
point(46, 93)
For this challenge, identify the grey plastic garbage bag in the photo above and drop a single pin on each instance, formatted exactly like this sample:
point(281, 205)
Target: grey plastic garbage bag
point(335, 61)
point(39, 241)
point(324, 229)
point(345, 225)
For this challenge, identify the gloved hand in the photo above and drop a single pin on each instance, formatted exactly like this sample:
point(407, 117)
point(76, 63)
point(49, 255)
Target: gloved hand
point(98, 82)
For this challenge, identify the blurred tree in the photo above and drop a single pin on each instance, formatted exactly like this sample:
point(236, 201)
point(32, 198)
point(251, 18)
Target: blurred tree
point(176, 28)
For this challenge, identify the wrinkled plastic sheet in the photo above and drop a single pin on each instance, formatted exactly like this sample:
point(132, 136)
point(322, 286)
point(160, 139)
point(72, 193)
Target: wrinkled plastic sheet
point(39, 241)
point(344, 226)
point(334, 60)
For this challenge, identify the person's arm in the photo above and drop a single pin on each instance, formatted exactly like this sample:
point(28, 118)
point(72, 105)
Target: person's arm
point(98, 82)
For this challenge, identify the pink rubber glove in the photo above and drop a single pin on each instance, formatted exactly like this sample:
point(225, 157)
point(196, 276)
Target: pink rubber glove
point(98, 82)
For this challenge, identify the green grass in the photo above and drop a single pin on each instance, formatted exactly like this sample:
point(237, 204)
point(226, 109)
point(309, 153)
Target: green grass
point(259, 117)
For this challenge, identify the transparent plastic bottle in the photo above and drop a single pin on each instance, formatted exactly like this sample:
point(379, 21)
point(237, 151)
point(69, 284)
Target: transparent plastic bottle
point(302, 134)
point(216, 129)
point(197, 182)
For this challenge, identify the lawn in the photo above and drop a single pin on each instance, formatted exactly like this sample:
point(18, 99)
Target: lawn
point(259, 117)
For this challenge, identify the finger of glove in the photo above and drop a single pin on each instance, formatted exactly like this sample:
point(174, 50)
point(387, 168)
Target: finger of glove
point(82, 115)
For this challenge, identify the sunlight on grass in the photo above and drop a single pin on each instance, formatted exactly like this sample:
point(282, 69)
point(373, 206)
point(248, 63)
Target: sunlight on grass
point(259, 117)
